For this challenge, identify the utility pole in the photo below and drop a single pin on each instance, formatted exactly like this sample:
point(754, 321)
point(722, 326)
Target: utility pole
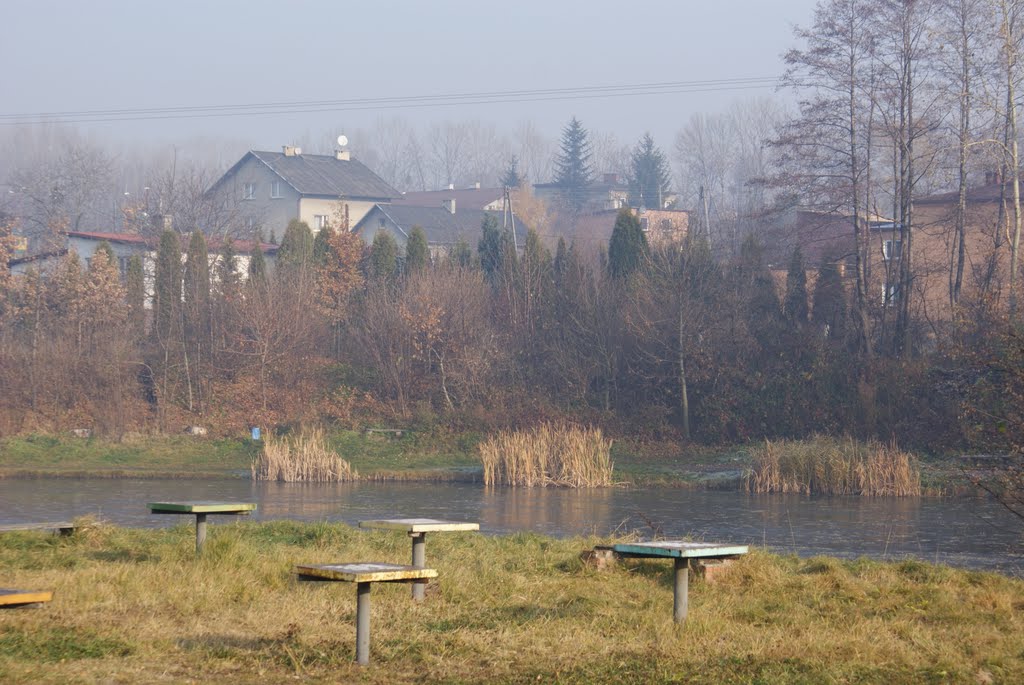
point(507, 214)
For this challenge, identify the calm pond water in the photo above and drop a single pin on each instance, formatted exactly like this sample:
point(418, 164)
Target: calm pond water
point(961, 532)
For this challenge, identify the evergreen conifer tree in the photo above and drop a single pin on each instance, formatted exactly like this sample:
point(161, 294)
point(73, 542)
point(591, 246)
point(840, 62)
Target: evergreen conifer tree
point(257, 267)
point(795, 305)
point(461, 254)
point(829, 310)
point(627, 249)
point(512, 178)
point(417, 254)
point(321, 246)
point(135, 293)
point(383, 263)
point(495, 246)
point(572, 165)
point(296, 251)
point(167, 288)
point(197, 290)
point(650, 178)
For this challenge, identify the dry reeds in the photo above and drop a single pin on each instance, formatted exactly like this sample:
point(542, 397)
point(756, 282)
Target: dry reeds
point(827, 466)
point(565, 456)
point(302, 458)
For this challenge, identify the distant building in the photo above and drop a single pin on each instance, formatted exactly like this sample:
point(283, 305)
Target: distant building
point(491, 199)
point(127, 245)
point(266, 190)
point(443, 226)
point(662, 227)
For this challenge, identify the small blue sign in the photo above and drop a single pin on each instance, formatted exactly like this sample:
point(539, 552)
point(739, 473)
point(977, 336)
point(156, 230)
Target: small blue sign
point(255, 432)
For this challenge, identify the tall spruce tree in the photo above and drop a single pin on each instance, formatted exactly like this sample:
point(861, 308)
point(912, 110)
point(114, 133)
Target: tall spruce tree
point(829, 310)
point(383, 262)
point(573, 174)
point(167, 288)
point(257, 266)
point(495, 246)
point(627, 249)
point(417, 253)
point(296, 251)
point(650, 178)
point(461, 255)
point(512, 178)
point(321, 246)
point(197, 290)
point(135, 293)
point(795, 304)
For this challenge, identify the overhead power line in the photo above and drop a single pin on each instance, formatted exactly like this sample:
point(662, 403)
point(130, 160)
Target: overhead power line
point(385, 103)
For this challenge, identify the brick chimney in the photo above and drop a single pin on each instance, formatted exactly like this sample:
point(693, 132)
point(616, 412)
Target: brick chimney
point(291, 150)
point(342, 155)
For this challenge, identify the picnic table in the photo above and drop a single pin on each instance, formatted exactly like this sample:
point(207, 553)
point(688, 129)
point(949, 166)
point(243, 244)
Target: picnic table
point(62, 527)
point(200, 509)
point(364, 574)
point(682, 553)
point(417, 528)
point(18, 598)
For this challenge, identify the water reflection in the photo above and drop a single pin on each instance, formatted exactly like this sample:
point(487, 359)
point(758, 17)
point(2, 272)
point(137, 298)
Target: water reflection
point(971, 533)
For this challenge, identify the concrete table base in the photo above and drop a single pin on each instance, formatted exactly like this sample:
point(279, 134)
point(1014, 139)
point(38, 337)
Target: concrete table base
point(364, 575)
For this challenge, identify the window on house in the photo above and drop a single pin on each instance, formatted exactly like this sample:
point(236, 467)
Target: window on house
point(122, 266)
point(248, 191)
point(320, 221)
point(892, 249)
point(890, 294)
point(250, 224)
point(645, 223)
point(275, 190)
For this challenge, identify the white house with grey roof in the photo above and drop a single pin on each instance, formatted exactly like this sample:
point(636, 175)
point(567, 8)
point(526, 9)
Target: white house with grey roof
point(444, 226)
point(268, 189)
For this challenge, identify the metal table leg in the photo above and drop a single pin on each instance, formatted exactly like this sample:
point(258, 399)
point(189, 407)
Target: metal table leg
point(419, 560)
point(200, 532)
point(681, 590)
point(363, 623)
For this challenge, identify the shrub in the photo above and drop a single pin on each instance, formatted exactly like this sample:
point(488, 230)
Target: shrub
point(827, 466)
point(301, 457)
point(559, 455)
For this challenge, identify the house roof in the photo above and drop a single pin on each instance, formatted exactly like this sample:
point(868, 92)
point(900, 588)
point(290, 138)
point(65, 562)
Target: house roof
point(129, 238)
point(990, 192)
point(213, 244)
point(320, 175)
point(470, 198)
point(441, 226)
point(38, 257)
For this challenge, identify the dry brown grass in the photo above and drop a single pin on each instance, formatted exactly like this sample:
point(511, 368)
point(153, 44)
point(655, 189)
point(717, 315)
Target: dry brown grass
point(136, 606)
point(829, 466)
point(305, 457)
point(550, 454)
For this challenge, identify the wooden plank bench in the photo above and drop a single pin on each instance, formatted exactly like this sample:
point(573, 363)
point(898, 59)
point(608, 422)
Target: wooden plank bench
point(10, 599)
point(364, 574)
point(200, 509)
point(62, 527)
point(682, 553)
point(417, 530)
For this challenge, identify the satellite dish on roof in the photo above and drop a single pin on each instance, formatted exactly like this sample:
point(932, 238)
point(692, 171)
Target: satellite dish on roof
point(342, 140)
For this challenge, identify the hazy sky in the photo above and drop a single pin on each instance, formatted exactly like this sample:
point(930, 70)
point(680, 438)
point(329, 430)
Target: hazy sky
point(107, 54)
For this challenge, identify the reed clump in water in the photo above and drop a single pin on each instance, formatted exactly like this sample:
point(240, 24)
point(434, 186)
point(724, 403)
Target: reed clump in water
point(829, 466)
point(550, 454)
point(302, 458)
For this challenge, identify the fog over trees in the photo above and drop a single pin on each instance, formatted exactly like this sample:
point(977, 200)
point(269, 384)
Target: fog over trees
point(746, 328)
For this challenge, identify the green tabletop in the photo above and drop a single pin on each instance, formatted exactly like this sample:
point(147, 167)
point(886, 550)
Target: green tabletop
point(201, 507)
point(678, 548)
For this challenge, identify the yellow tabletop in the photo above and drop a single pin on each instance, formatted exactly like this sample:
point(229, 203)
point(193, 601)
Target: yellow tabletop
point(419, 525)
point(365, 572)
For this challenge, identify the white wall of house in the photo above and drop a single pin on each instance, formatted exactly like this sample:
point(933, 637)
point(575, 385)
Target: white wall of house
point(312, 207)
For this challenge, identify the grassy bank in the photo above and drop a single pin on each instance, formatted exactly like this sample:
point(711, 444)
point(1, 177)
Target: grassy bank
point(503, 610)
point(412, 456)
